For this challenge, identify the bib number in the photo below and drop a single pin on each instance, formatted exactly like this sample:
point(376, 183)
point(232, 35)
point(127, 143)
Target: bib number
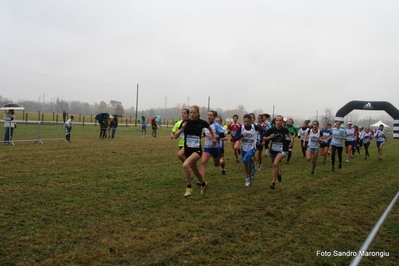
point(277, 146)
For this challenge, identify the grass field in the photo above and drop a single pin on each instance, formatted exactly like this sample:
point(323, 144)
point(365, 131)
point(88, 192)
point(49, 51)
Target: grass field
point(120, 202)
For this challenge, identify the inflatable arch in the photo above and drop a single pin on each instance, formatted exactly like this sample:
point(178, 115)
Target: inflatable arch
point(363, 105)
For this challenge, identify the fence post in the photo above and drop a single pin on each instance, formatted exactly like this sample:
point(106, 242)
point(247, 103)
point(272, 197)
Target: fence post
point(26, 120)
point(53, 116)
point(38, 116)
point(42, 117)
point(83, 120)
point(79, 116)
point(56, 119)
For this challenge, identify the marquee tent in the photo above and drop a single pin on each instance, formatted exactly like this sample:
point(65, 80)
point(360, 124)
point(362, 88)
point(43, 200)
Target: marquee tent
point(378, 124)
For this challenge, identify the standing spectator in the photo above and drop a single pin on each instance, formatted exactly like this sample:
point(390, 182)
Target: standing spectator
point(64, 115)
point(103, 121)
point(143, 125)
point(114, 125)
point(68, 128)
point(154, 127)
point(9, 124)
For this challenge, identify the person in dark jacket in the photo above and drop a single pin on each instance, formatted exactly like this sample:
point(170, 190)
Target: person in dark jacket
point(154, 127)
point(103, 121)
point(114, 125)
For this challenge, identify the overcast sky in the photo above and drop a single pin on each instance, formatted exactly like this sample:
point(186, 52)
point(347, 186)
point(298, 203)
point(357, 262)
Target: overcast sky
point(299, 56)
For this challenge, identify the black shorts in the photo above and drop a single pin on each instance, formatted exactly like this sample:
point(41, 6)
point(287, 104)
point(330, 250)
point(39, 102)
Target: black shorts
point(259, 147)
point(324, 144)
point(189, 151)
point(351, 143)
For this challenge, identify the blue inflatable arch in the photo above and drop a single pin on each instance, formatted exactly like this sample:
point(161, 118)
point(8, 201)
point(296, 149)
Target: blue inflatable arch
point(375, 106)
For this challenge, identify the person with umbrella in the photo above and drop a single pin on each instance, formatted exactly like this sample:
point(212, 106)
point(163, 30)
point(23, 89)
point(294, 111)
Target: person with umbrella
point(103, 121)
point(9, 125)
point(68, 128)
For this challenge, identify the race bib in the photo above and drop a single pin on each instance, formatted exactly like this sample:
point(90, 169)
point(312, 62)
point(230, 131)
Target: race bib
point(247, 144)
point(277, 146)
point(193, 142)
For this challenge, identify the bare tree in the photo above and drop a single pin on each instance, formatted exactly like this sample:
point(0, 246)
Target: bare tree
point(328, 116)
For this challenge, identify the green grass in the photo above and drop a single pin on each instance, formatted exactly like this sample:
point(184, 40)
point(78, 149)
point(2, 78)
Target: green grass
point(120, 202)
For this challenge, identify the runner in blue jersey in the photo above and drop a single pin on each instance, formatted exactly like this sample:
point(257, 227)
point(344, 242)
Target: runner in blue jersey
point(210, 148)
point(337, 137)
point(222, 142)
point(248, 136)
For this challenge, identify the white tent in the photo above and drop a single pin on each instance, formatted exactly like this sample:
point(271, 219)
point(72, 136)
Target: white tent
point(379, 123)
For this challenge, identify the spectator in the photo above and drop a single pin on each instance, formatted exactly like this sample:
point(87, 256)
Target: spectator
point(114, 125)
point(68, 128)
point(9, 124)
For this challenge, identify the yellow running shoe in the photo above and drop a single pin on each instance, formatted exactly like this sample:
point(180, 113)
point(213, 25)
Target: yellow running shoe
point(203, 189)
point(188, 192)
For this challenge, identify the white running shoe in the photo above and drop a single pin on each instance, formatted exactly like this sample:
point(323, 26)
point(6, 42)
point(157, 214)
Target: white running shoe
point(247, 181)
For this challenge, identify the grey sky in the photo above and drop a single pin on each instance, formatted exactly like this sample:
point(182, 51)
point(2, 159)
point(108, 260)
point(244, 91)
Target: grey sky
point(300, 56)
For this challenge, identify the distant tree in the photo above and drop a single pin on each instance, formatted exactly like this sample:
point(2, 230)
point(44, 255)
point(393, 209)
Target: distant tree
point(102, 106)
point(114, 103)
point(328, 116)
point(258, 112)
point(60, 105)
point(119, 109)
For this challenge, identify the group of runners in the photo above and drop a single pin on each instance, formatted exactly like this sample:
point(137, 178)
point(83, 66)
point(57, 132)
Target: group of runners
point(249, 139)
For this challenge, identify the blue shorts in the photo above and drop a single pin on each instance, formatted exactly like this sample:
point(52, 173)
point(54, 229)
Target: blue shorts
point(246, 156)
point(273, 154)
point(379, 143)
point(215, 152)
point(313, 149)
